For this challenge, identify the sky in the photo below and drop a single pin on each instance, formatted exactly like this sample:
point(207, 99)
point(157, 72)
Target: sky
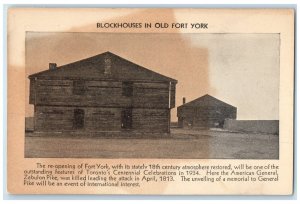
point(239, 69)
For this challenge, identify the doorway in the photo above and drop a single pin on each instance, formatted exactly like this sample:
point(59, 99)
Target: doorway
point(126, 121)
point(78, 119)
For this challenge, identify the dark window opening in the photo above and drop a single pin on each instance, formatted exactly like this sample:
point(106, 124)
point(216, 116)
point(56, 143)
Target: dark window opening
point(78, 119)
point(126, 122)
point(127, 89)
point(78, 87)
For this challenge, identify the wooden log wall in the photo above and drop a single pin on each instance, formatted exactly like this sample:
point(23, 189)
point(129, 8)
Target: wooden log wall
point(151, 120)
point(210, 116)
point(55, 118)
point(101, 93)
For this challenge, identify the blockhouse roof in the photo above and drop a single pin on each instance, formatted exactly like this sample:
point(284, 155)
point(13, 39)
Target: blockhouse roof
point(205, 101)
point(95, 68)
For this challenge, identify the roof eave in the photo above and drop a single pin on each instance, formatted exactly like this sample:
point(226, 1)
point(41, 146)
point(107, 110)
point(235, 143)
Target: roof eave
point(100, 79)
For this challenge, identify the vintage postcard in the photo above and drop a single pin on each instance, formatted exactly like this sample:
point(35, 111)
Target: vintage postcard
point(150, 101)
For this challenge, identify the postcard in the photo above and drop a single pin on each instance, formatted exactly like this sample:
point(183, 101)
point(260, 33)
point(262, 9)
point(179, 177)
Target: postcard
point(150, 101)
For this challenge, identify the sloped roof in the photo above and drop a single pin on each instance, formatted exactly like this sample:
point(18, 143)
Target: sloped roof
point(205, 101)
point(94, 67)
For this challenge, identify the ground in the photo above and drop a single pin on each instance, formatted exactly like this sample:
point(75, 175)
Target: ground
point(180, 144)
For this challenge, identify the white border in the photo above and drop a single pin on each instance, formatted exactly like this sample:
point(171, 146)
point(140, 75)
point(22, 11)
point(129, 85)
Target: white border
point(135, 3)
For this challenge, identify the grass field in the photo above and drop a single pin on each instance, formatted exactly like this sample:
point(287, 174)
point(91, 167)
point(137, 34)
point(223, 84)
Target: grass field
point(180, 144)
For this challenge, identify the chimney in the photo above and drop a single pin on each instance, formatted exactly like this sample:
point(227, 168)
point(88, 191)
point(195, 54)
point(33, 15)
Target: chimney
point(52, 66)
point(183, 100)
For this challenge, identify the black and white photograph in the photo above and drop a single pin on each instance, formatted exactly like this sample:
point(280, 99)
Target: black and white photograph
point(149, 95)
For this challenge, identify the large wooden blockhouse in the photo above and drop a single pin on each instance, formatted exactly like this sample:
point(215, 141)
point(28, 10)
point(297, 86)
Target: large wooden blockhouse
point(101, 93)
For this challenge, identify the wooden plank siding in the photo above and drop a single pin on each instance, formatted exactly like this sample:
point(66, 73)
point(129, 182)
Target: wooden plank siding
point(206, 116)
point(99, 93)
point(55, 118)
point(32, 91)
point(102, 103)
point(151, 120)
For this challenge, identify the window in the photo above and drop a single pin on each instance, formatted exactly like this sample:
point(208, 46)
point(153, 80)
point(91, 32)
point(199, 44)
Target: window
point(78, 87)
point(127, 89)
point(78, 119)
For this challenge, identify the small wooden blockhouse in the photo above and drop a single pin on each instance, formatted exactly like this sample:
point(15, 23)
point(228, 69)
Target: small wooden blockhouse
point(204, 112)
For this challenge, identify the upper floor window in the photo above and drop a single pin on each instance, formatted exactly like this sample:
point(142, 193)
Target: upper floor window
point(78, 87)
point(127, 88)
